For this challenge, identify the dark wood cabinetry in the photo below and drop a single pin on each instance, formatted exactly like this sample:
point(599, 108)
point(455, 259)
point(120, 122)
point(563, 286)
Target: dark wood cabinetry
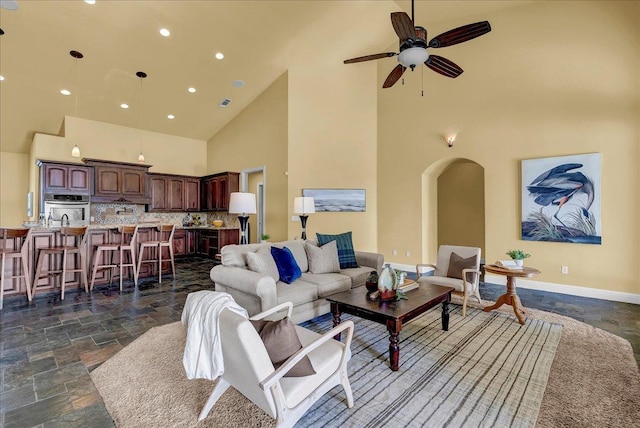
point(174, 193)
point(184, 242)
point(215, 190)
point(119, 181)
point(58, 177)
point(211, 241)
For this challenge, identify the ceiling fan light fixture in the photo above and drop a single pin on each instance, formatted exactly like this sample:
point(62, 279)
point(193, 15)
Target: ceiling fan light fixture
point(75, 152)
point(413, 56)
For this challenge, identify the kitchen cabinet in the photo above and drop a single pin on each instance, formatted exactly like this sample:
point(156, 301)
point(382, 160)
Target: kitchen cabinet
point(184, 242)
point(174, 193)
point(211, 241)
point(59, 177)
point(215, 190)
point(119, 182)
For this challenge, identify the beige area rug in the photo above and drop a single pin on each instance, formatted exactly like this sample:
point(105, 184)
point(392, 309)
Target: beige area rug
point(593, 381)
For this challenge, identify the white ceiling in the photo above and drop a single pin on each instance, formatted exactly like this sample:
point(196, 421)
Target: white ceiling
point(260, 40)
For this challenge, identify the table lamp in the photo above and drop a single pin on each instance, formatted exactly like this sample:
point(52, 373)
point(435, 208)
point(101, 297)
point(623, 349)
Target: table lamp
point(303, 206)
point(242, 203)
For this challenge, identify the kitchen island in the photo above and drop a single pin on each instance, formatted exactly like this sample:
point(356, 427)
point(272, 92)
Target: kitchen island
point(187, 241)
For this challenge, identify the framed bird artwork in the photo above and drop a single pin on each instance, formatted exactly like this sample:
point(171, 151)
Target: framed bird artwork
point(561, 199)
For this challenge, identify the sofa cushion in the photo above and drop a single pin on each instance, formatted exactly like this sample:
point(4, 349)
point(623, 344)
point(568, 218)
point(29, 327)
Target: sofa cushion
point(281, 342)
point(357, 275)
point(323, 259)
point(236, 255)
point(443, 280)
point(457, 263)
point(287, 267)
point(262, 262)
point(346, 254)
point(297, 249)
point(297, 293)
point(328, 283)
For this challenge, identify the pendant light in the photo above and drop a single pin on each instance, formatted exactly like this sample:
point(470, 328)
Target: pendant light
point(75, 152)
point(141, 75)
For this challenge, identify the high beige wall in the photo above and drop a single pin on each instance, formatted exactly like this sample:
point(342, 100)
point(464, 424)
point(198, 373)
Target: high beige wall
point(254, 138)
point(14, 185)
point(461, 205)
point(332, 144)
point(551, 79)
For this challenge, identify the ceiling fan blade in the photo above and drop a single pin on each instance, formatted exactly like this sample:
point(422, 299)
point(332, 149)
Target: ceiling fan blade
point(460, 34)
point(443, 66)
point(393, 77)
point(370, 57)
point(403, 25)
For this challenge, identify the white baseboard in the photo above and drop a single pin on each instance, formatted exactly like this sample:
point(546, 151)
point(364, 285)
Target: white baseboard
point(406, 268)
point(573, 290)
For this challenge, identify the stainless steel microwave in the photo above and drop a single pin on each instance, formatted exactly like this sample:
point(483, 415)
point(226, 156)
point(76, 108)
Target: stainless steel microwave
point(76, 207)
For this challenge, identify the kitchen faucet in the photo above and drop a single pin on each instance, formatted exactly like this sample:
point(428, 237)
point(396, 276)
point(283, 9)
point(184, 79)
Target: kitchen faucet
point(62, 222)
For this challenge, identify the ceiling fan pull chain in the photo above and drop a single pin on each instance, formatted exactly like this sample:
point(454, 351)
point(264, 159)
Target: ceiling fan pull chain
point(422, 80)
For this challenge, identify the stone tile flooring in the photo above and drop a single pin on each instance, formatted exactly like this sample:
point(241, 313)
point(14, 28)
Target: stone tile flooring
point(48, 347)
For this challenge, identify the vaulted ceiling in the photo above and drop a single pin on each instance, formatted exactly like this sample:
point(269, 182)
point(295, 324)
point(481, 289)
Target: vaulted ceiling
point(259, 39)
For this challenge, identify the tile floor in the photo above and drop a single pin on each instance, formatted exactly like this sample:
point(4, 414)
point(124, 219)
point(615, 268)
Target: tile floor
point(48, 347)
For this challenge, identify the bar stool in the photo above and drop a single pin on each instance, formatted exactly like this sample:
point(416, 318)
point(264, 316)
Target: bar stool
point(104, 252)
point(18, 250)
point(78, 248)
point(164, 230)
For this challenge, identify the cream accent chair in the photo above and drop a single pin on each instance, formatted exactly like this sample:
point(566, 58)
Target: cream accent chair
point(248, 369)
point(470, 284)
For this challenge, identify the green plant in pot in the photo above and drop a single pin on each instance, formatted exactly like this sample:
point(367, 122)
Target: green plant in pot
point(264, 237)
point(518, 256)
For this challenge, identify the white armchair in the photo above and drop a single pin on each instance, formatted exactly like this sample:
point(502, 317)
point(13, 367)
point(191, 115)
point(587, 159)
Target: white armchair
point(248, 369)
point(469, 280)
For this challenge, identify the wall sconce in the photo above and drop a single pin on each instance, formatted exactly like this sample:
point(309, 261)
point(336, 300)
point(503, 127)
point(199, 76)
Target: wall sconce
point(75, 152)
point(450, 138)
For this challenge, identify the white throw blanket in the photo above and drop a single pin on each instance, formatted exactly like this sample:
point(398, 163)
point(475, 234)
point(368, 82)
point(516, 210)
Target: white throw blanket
point(203, 351)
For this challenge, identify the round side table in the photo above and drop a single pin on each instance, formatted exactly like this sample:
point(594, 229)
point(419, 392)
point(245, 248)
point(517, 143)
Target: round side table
point(511, 298)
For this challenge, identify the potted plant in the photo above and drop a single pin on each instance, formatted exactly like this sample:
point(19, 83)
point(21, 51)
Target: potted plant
point(401, 275)
point(518, 256)
point(264, 237)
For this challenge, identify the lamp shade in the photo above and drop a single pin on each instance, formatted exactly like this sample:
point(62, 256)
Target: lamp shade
point(303, 205)
point(242, 203)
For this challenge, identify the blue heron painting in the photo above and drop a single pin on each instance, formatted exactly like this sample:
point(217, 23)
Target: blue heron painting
point(561, 199)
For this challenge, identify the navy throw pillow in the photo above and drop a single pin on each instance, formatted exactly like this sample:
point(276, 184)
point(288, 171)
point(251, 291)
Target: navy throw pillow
point(287, 267)
point(346, 255)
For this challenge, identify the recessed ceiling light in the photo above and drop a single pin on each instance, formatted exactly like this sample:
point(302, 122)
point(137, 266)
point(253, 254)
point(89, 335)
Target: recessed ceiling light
point(192, 90)
point(165, 32)
point(1, 77)
point(123, 105)
point(238, 83)
point(65, 92)
point(219, 55)
point(170, 116)
point(90, 1)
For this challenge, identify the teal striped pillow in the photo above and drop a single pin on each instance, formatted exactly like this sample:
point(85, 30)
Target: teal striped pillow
point(346, 255)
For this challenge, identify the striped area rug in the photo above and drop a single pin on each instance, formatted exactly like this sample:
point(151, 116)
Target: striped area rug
point(486, 371)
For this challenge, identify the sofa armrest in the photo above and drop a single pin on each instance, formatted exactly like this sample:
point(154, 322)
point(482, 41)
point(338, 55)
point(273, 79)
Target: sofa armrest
point(246, 281)
point(372, 260)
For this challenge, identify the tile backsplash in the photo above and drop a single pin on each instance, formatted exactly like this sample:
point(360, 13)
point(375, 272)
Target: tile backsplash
point(118, 213)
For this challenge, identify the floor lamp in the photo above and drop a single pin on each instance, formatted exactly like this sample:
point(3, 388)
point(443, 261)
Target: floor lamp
point(243, 204)
point(303, 206)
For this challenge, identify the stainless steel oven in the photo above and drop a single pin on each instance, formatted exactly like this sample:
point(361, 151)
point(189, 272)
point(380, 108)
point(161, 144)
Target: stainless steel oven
point(76, 207)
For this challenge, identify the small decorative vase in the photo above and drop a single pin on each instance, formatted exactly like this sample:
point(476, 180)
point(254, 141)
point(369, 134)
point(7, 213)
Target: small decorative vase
point(387, 284)
point(519, 262)
point(372, 282)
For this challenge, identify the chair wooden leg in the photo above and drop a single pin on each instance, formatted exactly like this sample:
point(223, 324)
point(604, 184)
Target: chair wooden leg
point(27, 276)
point(96, 263)
point(217, 392)
point(173, 265)
point(133, 267)
point(83, 268)
point(64, 272)
point(464, 304)
point(37, 275)
point(347, 387)
point(476, 293)
point(139, 262)
point(159, 249)
point(121, 263)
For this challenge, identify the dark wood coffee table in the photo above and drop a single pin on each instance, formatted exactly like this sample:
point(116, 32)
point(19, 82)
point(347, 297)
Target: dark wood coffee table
point(394, 314)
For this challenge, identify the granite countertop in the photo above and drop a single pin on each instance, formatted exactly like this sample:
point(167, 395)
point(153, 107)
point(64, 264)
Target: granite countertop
point(56, 228)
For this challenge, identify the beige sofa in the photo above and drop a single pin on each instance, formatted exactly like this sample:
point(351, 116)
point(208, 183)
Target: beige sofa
point(258, 292)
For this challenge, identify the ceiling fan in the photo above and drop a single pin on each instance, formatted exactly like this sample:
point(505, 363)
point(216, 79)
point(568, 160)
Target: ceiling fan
point(414, 47)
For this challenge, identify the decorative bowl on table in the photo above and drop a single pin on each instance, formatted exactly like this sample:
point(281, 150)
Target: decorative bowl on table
point(217, 223)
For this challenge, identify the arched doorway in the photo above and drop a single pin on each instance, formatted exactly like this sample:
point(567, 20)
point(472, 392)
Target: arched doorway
point(452, 205)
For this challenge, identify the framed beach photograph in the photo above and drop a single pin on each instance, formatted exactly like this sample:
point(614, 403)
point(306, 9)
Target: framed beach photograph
point(561, 199)
point(337, 200)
